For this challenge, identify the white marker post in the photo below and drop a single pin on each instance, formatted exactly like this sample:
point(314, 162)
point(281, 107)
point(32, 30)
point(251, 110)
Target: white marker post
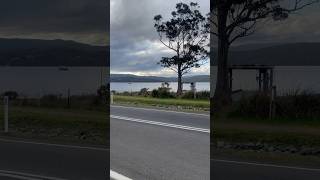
point(111, 98)
point(6, 117)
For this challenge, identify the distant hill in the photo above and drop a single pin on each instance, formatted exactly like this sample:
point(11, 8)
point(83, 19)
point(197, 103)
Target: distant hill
point(295, 54)
point(35, 52)
point(134, 78)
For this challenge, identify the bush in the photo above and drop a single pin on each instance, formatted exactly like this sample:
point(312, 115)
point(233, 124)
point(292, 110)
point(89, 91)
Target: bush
point(162, 92)
point(294, 105)
point(252, 106)
point(50, 100)
point(103, 95)
point(199, 95)
point(299, 105)
point(155, 93)
point(203, 95)
point(11, 94)
point(187, 95)
point(143, 92)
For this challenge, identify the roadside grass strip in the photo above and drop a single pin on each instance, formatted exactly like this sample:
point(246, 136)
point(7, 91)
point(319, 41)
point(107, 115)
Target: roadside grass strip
point(161, 124)
point(54, 145)
point(116, 176)
point(161, 110)
point(266, 165)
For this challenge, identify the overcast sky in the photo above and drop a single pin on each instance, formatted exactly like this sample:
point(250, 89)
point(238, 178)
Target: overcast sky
point(302, 26)
point(135, 47)
point(84, 21)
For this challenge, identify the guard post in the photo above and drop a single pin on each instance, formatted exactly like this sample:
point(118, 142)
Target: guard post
point(6, 116)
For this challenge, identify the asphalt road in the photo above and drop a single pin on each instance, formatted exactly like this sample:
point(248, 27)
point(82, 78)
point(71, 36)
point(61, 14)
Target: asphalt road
point(143, 151)
point(237, 170)
point(35, 161)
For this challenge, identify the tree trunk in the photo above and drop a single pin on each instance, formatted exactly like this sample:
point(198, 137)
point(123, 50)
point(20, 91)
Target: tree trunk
point(179, 90)
point(222, 96)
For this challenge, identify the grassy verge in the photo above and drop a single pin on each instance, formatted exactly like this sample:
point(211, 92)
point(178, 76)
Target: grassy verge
point(58, 124)
point(268, 136)
point(203, 105)
point(267, 157)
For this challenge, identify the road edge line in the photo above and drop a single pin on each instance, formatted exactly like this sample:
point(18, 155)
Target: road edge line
point(22, 175)
point(266, 165)
point(116, 176)
point(177, 126)
point(56, 145)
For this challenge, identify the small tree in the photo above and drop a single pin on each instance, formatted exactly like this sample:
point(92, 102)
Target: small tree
point(103, 93)
point(234, 19)
point(186, 34)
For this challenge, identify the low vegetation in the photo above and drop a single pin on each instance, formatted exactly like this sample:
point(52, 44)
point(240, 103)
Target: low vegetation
point(163, 102)
point(163, 97)
point(77, 119)
point(294, 129)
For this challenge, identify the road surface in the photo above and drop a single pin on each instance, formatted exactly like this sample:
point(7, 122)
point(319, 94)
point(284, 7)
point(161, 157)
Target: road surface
point(21, 159)
point(150, 144)
point(143, 150)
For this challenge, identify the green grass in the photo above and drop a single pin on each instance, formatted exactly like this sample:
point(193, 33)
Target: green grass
point(184, 103)
point(275, 133)
point(284, 132)
point(71, 125)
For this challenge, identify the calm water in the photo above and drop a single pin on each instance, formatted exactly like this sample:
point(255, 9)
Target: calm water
point(286, 78)
point(38, 81)
point(121, 87)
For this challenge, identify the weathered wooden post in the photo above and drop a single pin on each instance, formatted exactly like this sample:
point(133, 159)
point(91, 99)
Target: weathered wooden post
point(68, 98)
point(6, 113)
point(111, 98)
point(193, 89)
point(273, 94)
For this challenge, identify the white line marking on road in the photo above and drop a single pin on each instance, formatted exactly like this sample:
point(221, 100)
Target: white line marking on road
point(17, 177)
point(116, 176)
point(266, 165)
point(161, 124)
point(26, 176)
point(56, 145)
point(162, 110)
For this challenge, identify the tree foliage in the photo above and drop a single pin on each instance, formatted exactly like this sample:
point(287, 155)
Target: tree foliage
point(234, 19)
point(186, 34)
point(243, 15)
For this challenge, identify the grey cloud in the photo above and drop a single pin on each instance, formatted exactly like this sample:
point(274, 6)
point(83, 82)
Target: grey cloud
point(302, 26)
point(74, 18)
point(132, 29)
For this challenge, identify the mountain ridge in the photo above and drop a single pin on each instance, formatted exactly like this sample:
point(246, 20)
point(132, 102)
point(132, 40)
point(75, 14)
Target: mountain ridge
point(291, 54)
point(37, 52)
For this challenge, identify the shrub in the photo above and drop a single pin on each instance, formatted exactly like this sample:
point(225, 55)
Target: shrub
point(162, 92)
point(155, 93)
point(293, 105)
point(299, 105)
point(50, 100)
point(252, 106)
point(143, 92)
point(187, 95)
point(103, 95)
point(199, 95)
point(11, 94)
point(203, 95)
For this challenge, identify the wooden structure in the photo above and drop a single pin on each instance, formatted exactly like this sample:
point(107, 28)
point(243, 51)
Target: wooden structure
point(264, 78)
